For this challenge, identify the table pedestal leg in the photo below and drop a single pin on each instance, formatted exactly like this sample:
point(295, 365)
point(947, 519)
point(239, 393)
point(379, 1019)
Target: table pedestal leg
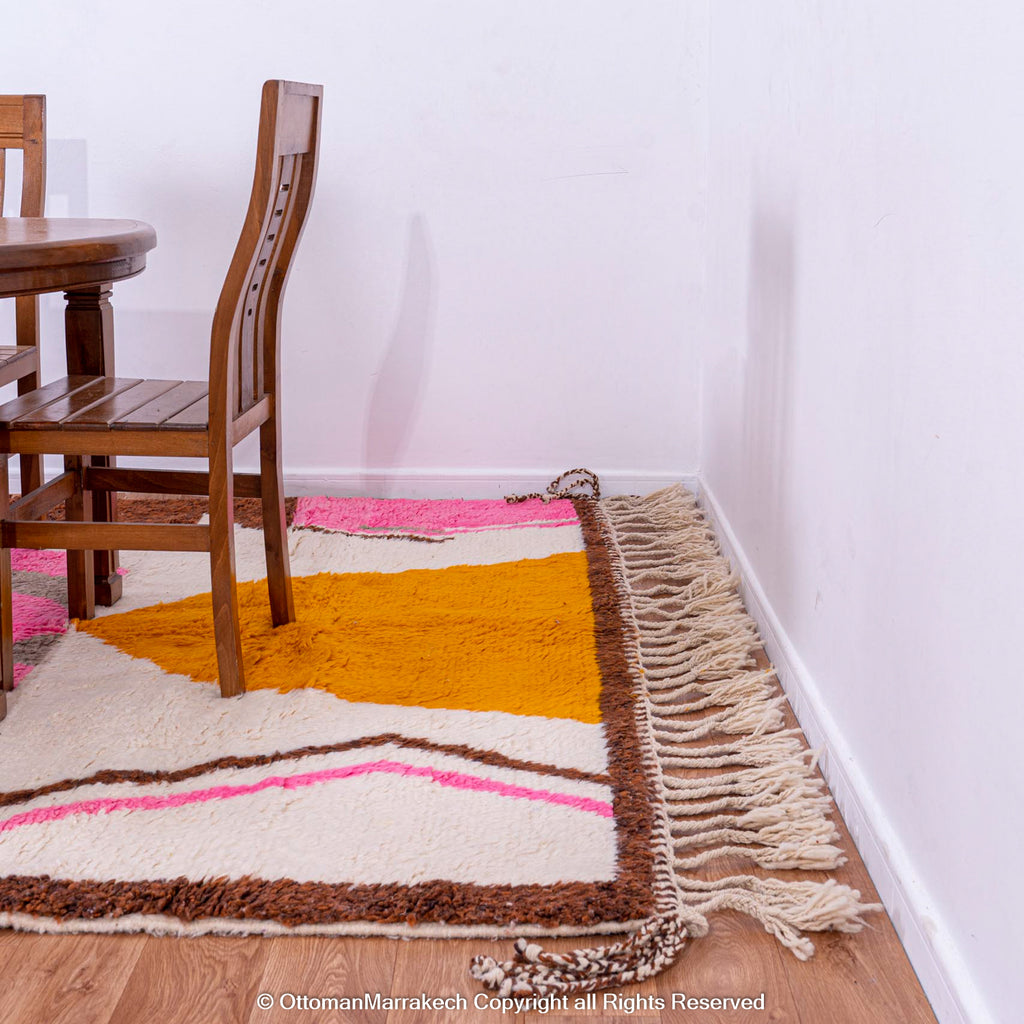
point(89, 338)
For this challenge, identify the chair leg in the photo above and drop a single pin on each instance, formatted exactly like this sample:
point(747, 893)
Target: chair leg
point(81, 579)
point(6, 597)
point(275, 529)
point(26, 313)
point(227, 634)
point(31, 473)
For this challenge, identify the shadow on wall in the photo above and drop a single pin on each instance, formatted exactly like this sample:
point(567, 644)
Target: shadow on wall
point(67, 195)
point(67, 182)
point(67, 179)
point(768, 373)
point(398, 382)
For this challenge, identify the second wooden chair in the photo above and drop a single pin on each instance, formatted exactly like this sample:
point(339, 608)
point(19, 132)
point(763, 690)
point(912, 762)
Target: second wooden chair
point(23, 126)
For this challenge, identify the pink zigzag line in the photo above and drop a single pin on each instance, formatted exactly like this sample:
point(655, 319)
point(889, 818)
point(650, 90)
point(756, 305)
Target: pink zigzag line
point(456, 780)
point(449, 531)
point(540, 523)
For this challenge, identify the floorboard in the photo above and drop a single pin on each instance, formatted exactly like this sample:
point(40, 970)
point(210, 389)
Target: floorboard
point(64, 979)
point(319, 968)
point(734, 961)
point(205, 980)
point(440, 969)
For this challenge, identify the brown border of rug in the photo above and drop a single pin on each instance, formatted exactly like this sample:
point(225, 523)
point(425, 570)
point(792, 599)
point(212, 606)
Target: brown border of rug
point(574, 907)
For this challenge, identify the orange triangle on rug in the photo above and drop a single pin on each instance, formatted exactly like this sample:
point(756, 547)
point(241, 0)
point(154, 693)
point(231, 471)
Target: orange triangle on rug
point(515, 637)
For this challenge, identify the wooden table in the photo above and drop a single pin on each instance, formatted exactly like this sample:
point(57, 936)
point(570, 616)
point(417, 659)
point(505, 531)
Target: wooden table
point(82, 258)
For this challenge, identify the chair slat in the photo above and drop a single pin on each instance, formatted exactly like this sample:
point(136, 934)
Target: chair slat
point(57, 413)
point(122, 404)
point(12, 353)
point(12, 119)
point(33, 172)
point(17, 360)
point(170, 403)
point(34, 401)
point(246, 395)
point(195, 417)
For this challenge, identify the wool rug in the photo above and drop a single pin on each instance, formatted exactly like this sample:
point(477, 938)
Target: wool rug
point(490, 719)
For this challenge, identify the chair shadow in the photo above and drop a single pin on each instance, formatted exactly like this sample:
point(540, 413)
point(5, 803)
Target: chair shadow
point(398, 386)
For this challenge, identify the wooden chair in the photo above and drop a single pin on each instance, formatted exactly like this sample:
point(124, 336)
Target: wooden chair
point(23, 126)
point(82, 417)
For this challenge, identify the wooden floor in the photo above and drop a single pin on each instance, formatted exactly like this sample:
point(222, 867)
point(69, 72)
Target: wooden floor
point(124, 979)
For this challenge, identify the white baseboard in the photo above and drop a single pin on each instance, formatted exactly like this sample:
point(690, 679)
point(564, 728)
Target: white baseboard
point(951, 990)
point(461, 483)
point(431, 483)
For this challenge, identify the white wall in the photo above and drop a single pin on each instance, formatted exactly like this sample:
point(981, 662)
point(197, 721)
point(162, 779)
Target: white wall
point(864, 427)
point(502, 270)
point(504, 275)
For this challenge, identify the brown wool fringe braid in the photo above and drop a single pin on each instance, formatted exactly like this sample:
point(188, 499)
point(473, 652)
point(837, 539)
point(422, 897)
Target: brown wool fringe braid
point(563, 486)
point(758, 795)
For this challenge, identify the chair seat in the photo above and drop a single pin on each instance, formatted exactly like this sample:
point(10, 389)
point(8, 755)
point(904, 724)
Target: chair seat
point(110, 403)
point(16, 361)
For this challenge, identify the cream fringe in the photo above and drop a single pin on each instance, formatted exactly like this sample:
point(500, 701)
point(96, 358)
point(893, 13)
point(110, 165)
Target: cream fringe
point(758, 797)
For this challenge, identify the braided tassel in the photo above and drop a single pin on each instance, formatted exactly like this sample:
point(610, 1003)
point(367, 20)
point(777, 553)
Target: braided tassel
point(563, 486)
point(534, 971)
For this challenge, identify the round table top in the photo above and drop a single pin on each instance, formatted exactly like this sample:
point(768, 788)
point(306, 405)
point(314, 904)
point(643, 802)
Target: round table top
point(52, 241)
point(39, 254)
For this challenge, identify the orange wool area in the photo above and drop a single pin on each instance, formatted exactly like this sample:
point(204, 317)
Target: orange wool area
point(514, 636)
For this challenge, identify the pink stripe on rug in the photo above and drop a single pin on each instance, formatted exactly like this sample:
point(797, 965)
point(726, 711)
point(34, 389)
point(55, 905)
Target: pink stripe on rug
point(53, 563)
point(34, 616)
point(541, 523)
point(429, 518)
point(455, 780)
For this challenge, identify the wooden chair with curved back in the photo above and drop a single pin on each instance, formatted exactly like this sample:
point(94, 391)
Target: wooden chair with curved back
point(23, 126)
point(81, 417)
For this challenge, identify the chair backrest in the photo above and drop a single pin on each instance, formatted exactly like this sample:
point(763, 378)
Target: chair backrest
point(244, 344)
point(23, 126)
